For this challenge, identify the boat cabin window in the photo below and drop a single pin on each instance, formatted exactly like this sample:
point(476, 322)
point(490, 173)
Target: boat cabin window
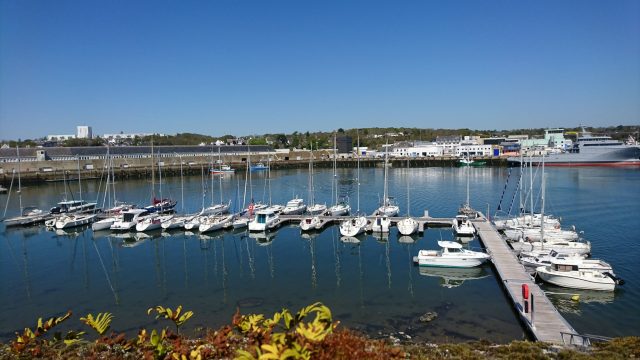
point(454, 250)
point(262, 218)
point(128, 217)
point(562, 267)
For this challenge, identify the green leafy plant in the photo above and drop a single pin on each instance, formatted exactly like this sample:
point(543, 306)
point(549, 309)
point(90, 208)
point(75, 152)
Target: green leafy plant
point(42, 327)
point(177, 316)
point(100, 323)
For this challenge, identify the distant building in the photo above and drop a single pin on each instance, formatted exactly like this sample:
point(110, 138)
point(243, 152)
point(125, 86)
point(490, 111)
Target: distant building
point(119, 138)
point(475, 150)
point(84, 132)
point(344, 144)
point(418, 150)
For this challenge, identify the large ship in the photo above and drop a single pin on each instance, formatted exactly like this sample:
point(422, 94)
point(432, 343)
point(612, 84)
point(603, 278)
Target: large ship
point(590, 150)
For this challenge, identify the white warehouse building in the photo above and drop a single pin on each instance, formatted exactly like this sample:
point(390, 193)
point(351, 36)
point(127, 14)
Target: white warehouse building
point(474, 150)
point(418, 151)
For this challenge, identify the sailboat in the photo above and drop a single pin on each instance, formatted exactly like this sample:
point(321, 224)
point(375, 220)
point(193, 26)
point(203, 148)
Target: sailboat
point(356, 224)
point(216, 209)
point(408, 225)
point(388, 208)
point(466, 209)
point(341, 206)
point(161, 205)
point(74, 206)
point(561, 246)
point(313, 209)
point(28, 215)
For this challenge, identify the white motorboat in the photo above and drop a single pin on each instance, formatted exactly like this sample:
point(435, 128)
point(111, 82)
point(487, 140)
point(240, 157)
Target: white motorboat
point(264, 220)
point(354, 226)
point(462, 226)
point(104, 224)
point(580, 273)
point(542, 258)
point(381, 224)
point(560, 246)
point(407, 226)
point(152, 222)
point(451, 255)
point(73, 220)
point(129, 219)
point(294, 207)
point(310, 223)
point(215, 222)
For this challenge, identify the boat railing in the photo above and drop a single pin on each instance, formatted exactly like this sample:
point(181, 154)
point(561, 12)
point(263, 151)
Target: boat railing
point(582, 340)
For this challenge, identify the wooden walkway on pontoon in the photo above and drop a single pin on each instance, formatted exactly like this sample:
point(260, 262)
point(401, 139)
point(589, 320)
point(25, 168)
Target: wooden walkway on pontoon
point(546, 324)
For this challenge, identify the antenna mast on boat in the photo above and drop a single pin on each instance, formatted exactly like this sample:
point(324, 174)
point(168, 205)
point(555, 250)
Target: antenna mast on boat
point(153, 174)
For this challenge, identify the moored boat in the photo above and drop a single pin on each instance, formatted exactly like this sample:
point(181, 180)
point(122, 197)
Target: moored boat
point(451, 255)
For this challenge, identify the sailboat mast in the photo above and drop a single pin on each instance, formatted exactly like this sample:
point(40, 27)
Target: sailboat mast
point(311, 174)
point(358, 171)
point(153, 174)
point(335, 165)
point(211, 173)
point(543, 184)
point(19, 183)
point(531, 185)
point(160, 175)
point(408, 201)
point(249, 171)
point(79, 182)
point(220, 176)
point(468, 169)
point(521, 182)
point(386, 154)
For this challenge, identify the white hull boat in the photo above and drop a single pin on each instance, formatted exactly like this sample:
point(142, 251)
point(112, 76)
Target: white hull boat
point(152, 222)
point(526, 220)
point(69, 221)
point(310, 223)
point(534, 234)
point(542, 258)
point(104, 224)
point(240, 223)
point(451, 255)
point(580, 274)
point(562, 247)
point(407, 226)
point(129, 220)
point(388, 210)
point(340, 209)
point(317, 209)
point(264, 220)
point(381, 224)
point(216, 209)
point(462, 226)
point(213, 223)
point(294, 207)
point(353, 226)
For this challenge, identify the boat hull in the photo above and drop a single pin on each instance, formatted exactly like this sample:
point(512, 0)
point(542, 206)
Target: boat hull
point(602, 284)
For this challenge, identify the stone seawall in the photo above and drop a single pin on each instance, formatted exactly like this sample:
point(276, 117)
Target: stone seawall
point(44, 171)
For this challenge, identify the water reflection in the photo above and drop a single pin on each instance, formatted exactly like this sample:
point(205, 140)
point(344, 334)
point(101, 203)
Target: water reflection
point(571, 300)
point(454, 277)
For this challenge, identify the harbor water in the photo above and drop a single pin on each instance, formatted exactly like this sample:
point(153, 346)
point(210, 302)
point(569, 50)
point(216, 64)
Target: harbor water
point(371, 286)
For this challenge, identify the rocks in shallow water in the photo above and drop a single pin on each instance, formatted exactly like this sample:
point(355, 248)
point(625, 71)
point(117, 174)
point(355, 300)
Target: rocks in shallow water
point(428, 317)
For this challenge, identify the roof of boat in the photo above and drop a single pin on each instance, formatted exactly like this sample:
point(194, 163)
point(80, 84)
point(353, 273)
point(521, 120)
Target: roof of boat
point(461, 216)
point(295, 201)
point(449, 244)
point(266, 211)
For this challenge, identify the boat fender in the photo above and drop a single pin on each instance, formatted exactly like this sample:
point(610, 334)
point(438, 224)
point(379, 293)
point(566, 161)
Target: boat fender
point(525, 291)
point(557, 226)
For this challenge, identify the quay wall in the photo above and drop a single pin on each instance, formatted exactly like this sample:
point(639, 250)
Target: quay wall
point(33, 172)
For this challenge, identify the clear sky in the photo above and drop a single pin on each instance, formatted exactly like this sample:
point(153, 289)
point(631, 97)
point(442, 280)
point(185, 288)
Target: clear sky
point(251, 67)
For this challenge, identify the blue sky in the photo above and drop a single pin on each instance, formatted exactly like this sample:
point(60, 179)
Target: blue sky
point(250, 67)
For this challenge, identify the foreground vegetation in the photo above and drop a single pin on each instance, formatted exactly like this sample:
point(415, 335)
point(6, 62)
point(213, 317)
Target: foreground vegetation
point(309, 333)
